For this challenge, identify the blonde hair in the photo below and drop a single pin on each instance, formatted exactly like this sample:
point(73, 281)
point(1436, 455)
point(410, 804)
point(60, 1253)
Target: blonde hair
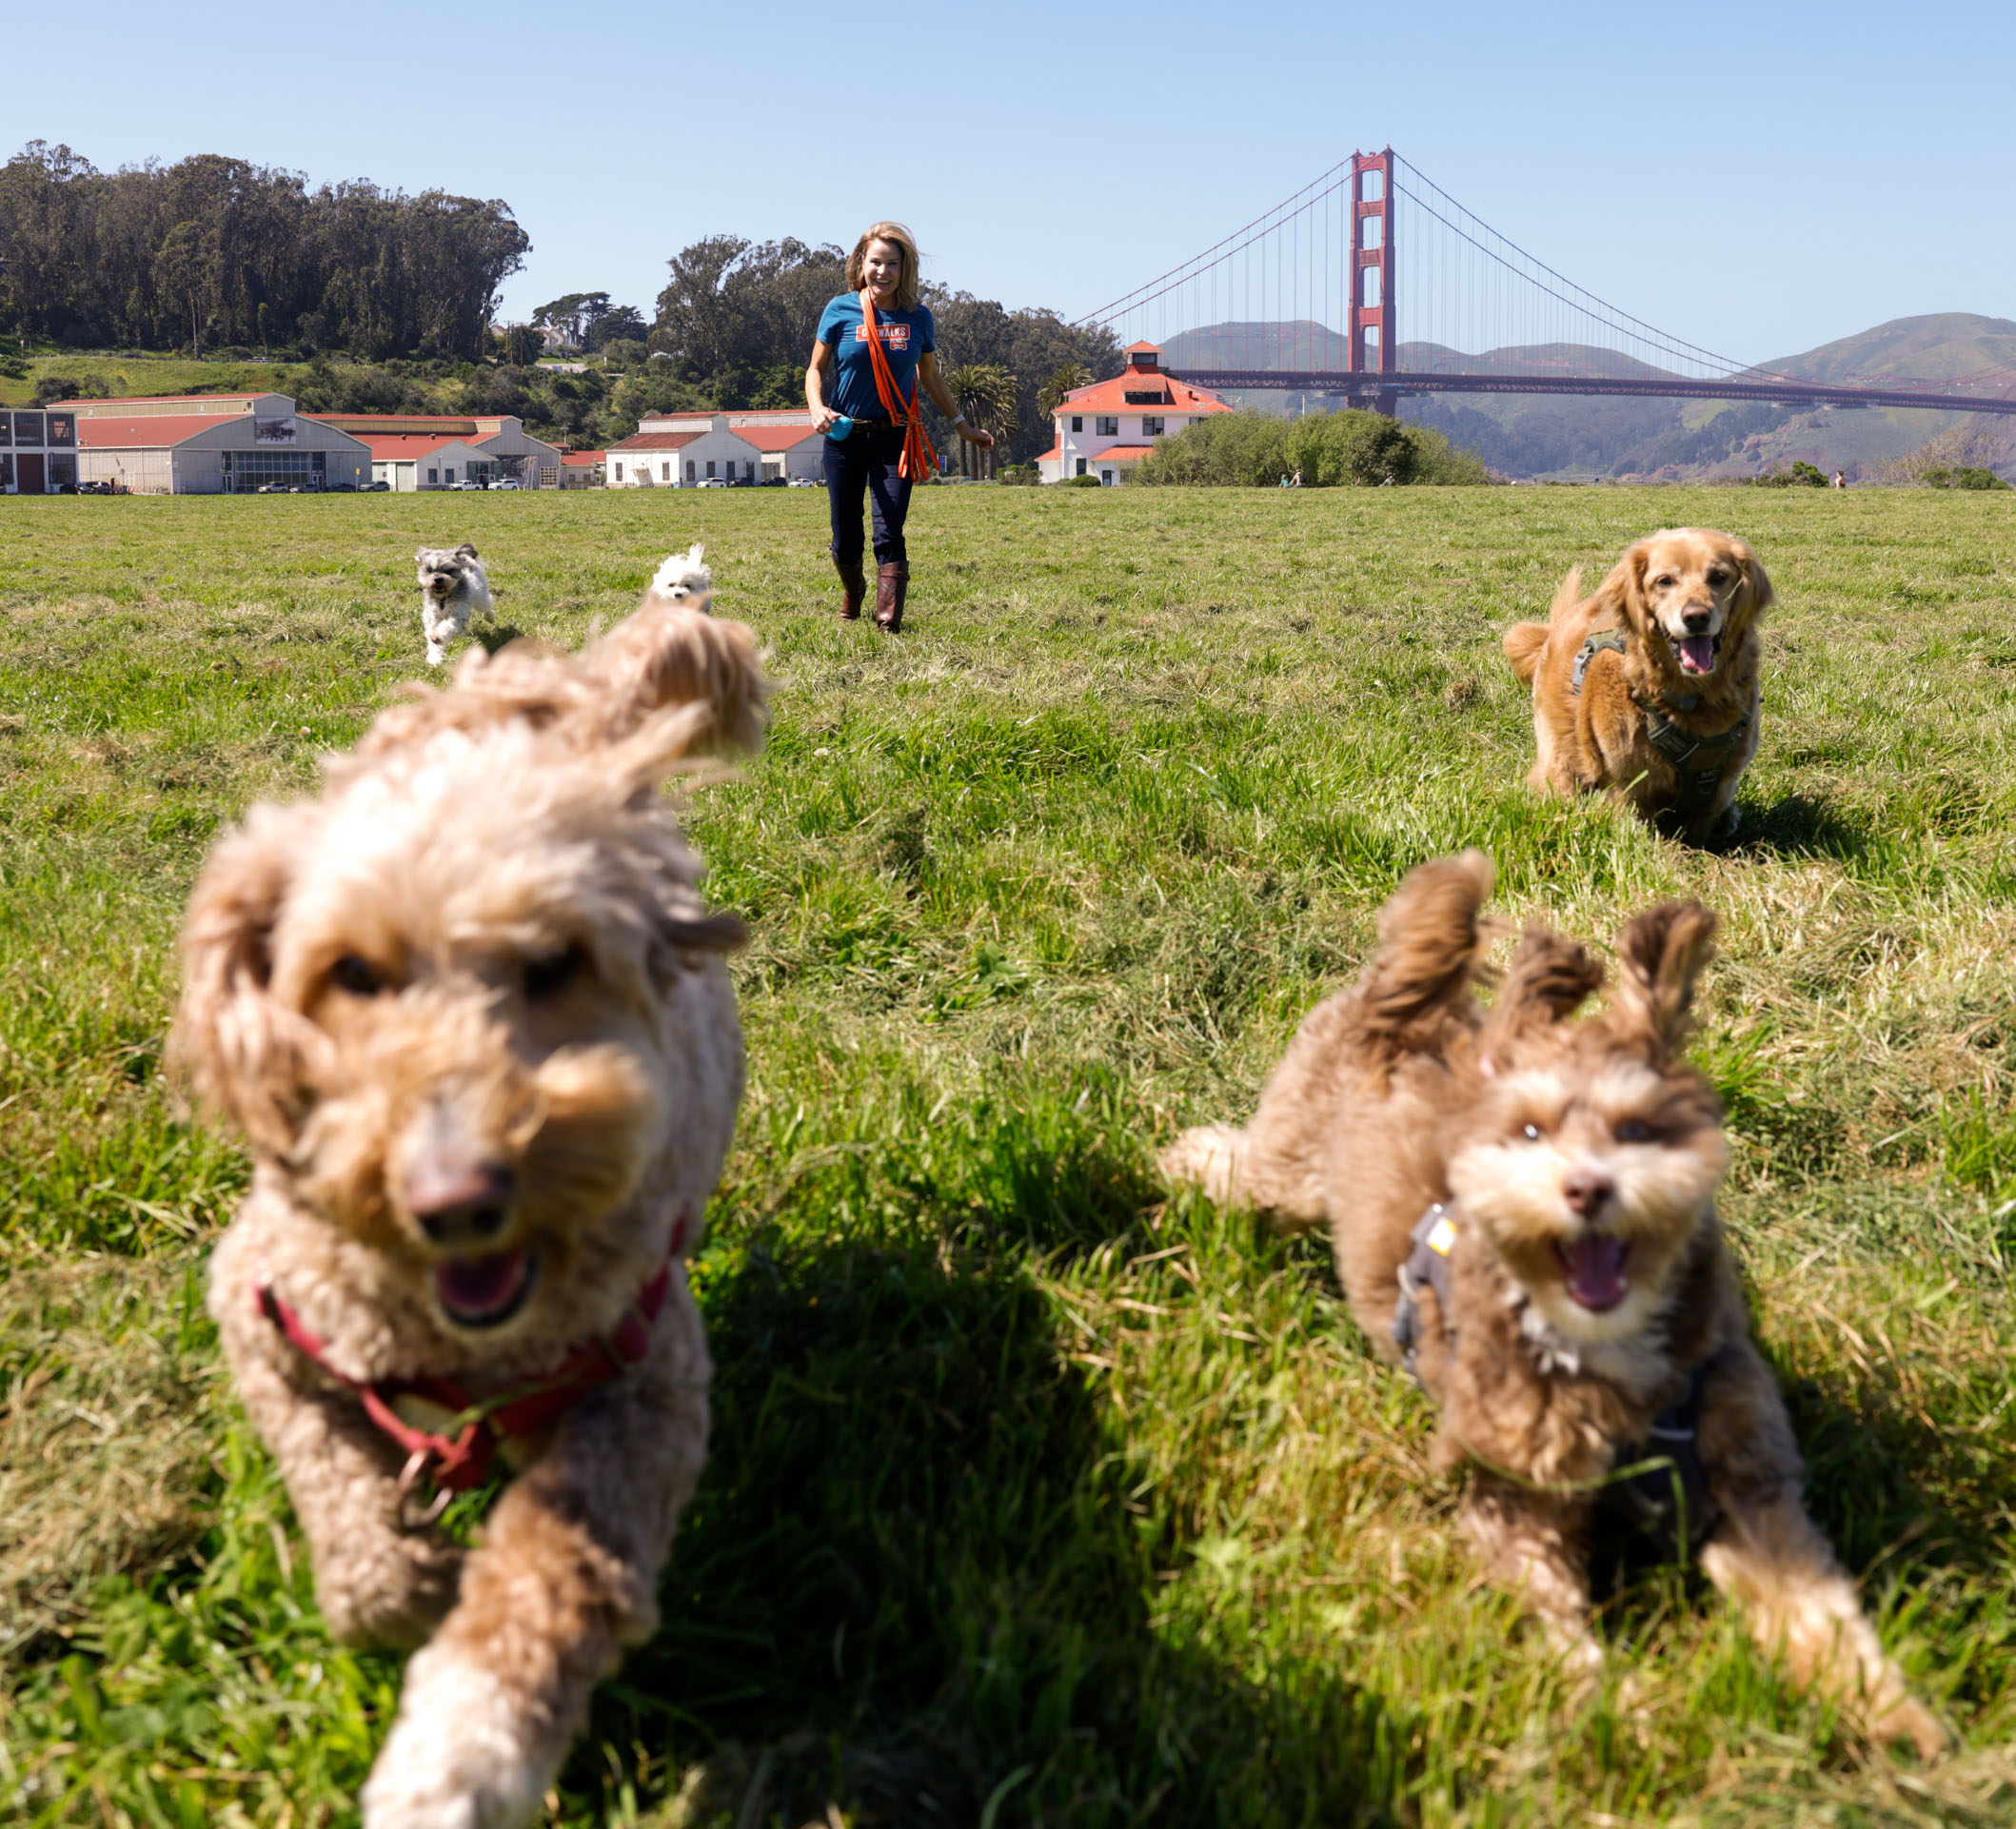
point(906, 287)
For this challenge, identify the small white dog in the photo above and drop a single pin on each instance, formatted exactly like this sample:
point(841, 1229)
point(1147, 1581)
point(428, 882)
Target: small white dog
point(452, 588)
point(681, 576)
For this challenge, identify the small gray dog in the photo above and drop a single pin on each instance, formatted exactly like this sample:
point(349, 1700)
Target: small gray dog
point(452, 587)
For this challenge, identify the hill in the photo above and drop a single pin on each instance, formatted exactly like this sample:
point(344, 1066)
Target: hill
point(1649, 440)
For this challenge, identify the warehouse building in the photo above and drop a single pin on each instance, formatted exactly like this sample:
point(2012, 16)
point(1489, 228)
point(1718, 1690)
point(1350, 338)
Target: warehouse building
point(419, 451)
point(212, 445)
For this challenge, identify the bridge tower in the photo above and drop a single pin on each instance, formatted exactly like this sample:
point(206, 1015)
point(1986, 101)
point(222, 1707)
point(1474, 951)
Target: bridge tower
point(1373, 346)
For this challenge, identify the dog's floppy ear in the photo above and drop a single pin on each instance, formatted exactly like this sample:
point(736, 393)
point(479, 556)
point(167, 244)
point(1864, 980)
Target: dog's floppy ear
point(1660, 954)
point(1620, 598)
point(244, 1053)
point(1429, 948)
point(1759, 593)
point(466, 550)
point(675, 654)
point(420, 557)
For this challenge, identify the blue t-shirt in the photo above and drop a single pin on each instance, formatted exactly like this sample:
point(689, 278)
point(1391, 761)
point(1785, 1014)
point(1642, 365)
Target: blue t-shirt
point(905, 335)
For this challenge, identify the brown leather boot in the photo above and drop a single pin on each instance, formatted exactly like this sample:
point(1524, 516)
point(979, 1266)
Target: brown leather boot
point(891, 581)
point(854, 586)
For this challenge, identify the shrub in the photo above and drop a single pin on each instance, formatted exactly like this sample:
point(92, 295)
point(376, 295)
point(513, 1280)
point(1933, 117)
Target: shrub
point(1087, 482)
point(1347, 449)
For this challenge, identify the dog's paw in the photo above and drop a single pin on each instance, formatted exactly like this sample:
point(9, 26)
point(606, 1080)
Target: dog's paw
point(459, 1757)
point(436, 655)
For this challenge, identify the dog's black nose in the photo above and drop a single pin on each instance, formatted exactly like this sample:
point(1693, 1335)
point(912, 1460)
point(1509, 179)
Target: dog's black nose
point(1586, 1189)
point(1697, 621)
point(461, 1205)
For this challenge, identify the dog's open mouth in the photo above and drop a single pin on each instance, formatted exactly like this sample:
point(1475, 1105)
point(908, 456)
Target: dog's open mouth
point(1697, 651)
point(1594, 1264)
point(484, 1291)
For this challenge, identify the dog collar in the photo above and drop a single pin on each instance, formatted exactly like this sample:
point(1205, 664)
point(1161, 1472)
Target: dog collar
point(463, 1454)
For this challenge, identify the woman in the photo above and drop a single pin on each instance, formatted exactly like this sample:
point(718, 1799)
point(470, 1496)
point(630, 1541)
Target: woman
point(884, 451)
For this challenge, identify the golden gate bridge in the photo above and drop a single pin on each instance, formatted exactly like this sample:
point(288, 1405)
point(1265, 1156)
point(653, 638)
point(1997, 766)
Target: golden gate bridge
point(1416, 281)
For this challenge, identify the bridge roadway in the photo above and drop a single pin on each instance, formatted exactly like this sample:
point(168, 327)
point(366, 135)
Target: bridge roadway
point(1320, 381)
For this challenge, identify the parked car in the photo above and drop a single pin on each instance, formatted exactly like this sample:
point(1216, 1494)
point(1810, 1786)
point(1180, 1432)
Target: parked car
point(507, 483)
point(712, 482)
point(374, 488)
point(803, 482)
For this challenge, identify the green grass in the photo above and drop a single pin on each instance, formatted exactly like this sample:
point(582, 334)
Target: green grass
point(1037, 1500)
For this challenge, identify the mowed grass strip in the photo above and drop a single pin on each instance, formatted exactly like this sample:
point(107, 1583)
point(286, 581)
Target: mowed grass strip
point(1036, 1497)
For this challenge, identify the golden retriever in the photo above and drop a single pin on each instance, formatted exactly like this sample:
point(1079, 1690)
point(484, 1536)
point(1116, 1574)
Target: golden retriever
point(1649, 686)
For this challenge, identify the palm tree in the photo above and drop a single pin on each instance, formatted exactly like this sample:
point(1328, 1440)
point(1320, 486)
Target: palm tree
point(989, 396)
point(1065, 379)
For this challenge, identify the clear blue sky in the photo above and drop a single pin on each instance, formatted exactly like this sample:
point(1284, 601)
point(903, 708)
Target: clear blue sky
point(1758, 178)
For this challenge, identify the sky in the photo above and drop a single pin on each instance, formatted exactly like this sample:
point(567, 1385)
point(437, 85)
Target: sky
point(1757, 178)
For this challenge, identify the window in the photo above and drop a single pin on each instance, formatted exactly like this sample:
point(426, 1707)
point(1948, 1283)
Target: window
point(1105, 428)
point(1145, 397)
point(748, 470)
point(1077, 422)
point(434, 476)
point(1106, 477)
point(1151, 427)
point(665, 471)
point(710, 466)
point(1081, 466)
point(689, 469)
point(618, 472)
point(244, 471)
point(449, 475)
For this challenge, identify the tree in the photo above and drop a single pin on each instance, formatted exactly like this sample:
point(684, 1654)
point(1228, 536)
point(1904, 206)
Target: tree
point(523, 345)
point(573, 314)
point(182, 269)
point(1067, 378)
point(987, 394)
point(616, 323)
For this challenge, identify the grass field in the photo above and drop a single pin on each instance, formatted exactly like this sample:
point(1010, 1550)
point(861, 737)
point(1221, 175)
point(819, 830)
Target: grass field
point(1037, 1500)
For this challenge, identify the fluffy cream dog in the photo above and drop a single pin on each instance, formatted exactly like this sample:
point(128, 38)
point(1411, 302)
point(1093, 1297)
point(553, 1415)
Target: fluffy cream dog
point(1649, 686)
point(681, 576)
point(471, 1012)
point(1522, 1208)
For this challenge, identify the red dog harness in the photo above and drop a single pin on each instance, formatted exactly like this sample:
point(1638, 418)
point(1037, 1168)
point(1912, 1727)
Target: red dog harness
point(464, 1454)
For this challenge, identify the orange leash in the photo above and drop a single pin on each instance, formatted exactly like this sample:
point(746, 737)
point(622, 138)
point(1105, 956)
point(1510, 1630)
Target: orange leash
point(918, 460)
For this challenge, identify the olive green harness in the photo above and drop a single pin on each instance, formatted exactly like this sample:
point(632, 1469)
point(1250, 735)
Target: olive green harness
point(1699, 762)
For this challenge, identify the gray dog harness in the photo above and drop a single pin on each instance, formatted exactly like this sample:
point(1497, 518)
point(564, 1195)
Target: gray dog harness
point(1698, 761)
point(1664, 1497)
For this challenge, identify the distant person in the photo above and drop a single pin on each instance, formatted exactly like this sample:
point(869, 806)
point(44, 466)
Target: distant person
point(875, 436)
point(1841, 478)
point(1296, 484)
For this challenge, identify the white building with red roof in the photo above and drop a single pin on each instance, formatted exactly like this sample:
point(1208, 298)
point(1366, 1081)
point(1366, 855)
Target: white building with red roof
point(212, 445)
point(419, 451)
point(584, 469)
point(1106, 429)
point(682, 450)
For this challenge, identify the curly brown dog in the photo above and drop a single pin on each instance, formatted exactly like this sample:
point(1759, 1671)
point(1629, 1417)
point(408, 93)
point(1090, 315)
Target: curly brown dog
point(473, 1017)
point(1649, 686)
point(1522, 1207)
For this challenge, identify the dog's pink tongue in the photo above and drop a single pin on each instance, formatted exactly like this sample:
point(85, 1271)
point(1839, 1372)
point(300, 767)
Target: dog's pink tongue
point(480, 1285)
point(1595, 1271)
point(1697, 653)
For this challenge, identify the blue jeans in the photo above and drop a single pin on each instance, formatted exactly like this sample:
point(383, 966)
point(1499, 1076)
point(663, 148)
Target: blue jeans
point(865, 462)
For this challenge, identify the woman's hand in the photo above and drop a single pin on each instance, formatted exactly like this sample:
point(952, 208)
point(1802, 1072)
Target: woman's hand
point(823, 417)
point(974, 435)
